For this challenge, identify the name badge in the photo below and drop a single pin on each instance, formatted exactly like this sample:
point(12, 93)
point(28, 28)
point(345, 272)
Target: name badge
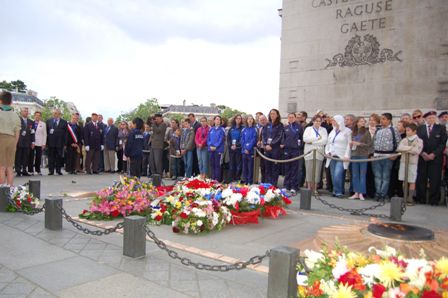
point(233, 142)
point(51, 131)
point(120, 142)
point(299, 142)
point(33, 131)
point(269, 141)
point(24, 133)
point(177, 152)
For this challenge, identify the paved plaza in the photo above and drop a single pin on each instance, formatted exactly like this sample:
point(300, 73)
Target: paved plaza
point(35, 262)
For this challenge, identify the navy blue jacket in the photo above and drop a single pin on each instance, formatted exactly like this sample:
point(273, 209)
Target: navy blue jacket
point(93, 136)
point(110, 137)
point(134, 146)
point(234, 134)
point(293, 137)
point(216, 137)
point(147, 140)
point(56, 134)
point(273, 132)
point(248, 139)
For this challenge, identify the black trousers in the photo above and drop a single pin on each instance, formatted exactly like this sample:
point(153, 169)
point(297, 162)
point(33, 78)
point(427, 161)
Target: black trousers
point(21, 159)
point(92, 160)
point(55, 159)
point(35, 159)
point(146, 169)
point(429, 171)
point(72, 155)
point(370, 181)
point(136, 167)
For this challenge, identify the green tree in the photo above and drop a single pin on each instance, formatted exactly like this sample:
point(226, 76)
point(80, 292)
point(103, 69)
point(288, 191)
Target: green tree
point(229, 112)
point(55, 103)
point(143, 111)
point(16, 85)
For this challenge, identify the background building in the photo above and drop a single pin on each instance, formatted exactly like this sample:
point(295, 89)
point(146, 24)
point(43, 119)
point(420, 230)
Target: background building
point(184, 110)
point(28, 100)
point(364, 56)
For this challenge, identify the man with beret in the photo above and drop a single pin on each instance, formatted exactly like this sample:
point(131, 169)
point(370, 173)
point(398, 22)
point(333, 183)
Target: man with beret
point(430, 163)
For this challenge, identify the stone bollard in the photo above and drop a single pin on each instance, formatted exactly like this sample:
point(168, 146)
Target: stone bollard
point(305, 199)
point(395, 208)
point(134, 236)
point(156, 180)
point(34, 187)
point(5, 195)
point(282, 280)
point(53, 214)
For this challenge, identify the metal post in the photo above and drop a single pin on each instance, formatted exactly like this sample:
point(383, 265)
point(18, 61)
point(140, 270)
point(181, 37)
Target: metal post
point(395, 208)
point(313, 179)
point(406, 175)
point(256, 173)
point(134, 236)
point(305, 198)
point(156, 180)
point(5, 195)
point(34, 188)
point(282, 281)
point(53, 214)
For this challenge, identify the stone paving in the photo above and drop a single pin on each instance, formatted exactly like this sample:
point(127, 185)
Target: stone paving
point(35, 262)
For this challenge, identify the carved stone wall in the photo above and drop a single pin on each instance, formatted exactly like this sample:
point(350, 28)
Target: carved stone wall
point(364, 56)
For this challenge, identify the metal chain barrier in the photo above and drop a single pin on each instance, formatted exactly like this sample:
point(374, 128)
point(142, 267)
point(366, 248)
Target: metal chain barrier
point(360, 160)
point(282, 160)
point(86, 230)
point(255, 260)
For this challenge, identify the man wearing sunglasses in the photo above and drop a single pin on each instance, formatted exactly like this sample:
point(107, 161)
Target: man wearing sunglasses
point(417, 117)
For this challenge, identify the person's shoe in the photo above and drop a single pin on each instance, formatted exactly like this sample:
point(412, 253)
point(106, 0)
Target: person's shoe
point(361, 197)
point(25, 174)
point(18, 174)
point(89, 172)
point(339, 196)
point(410, 203)
point(96, 173)
point(355, 196)
point(293, 192)
point(59, 173)
point(51, 174)
point(39, 173)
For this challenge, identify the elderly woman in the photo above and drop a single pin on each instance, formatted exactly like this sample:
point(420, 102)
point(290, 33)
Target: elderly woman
point(338, 146)
point(9, 135)
point(315, 138)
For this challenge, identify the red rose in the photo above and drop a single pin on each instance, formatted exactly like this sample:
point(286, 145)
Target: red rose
point(84, 211)
point(176, 230)
point(183, 215)
point(378, 290)
point(181, 199)
point(158, 217)
point(244, 191)
point(115, 213)
point(286, 200)
point(29, 199)
point(163, 208)
point(352, 278)
point(262, 190)
point(431, 294)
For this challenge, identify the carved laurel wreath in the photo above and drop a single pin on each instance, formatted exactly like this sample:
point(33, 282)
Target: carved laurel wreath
point(363, 51)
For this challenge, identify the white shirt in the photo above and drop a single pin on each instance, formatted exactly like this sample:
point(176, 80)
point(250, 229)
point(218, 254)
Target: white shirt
point(41, 134)
point(317, 139)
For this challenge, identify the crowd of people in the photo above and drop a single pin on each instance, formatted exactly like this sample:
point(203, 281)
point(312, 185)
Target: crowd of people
point(334, 147)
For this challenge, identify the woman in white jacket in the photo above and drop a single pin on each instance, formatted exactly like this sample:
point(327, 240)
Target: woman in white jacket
point(338, 146)
point(315, 138)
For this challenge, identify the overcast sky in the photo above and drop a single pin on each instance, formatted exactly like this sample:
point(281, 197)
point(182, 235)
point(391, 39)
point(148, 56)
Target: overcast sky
point(109, 56)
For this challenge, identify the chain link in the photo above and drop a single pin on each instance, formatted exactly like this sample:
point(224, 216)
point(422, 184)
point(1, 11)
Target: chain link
point(86, 230)
point(255, 260)
point(359, 211)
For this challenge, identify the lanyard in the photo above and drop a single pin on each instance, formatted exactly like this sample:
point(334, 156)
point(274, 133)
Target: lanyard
point(337, 133)
point(317, 132)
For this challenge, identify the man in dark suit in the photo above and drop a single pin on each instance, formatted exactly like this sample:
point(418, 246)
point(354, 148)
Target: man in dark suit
point(56, 141)
point(102, 126)
point(25, 143)
point(430, 163)
point(110, 146)
point(74, 144)
point(94, 144)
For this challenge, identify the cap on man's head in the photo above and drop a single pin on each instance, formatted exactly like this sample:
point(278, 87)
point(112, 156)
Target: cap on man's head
point(443, 114)
point(430, 113)
point(158, 115)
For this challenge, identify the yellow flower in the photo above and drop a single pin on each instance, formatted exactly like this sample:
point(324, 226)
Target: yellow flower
point(344, 291)
point(442, 267)
point(390, 273)
point(178, 205)
point(301, 291)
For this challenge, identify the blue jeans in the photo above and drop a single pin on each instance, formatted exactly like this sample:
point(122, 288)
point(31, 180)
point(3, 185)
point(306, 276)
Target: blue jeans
point(175, 167)
point(188, 162)
point(381, 170)
point(248, 168)
point(202, 160)
point(337, 176)
point(359, 172)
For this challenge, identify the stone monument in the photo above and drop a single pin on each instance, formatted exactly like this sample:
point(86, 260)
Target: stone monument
point(363, 56)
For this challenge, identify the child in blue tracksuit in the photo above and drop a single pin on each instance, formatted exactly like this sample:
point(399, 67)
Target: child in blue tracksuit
point(248, 141)
point(234, 147)
point(134, 147)
point(215, 145)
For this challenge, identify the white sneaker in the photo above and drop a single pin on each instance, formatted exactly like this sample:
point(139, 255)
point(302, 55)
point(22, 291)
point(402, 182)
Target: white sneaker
point(361, 197)
point(293, 192)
